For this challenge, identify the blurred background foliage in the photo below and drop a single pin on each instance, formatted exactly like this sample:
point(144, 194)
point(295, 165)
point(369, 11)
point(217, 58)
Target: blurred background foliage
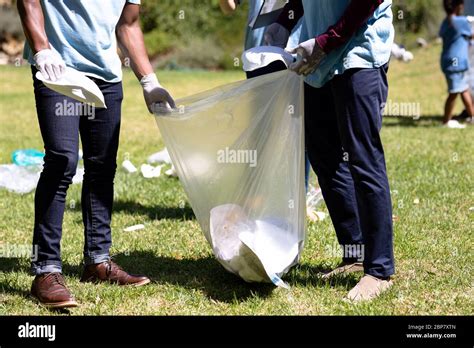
point(195, 34)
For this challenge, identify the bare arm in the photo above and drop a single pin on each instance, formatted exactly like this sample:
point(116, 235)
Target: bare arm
point(32, 19)
point(130, 40)
point(228, 6)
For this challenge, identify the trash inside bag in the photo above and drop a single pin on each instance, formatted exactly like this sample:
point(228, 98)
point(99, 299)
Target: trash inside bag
point(238, 151)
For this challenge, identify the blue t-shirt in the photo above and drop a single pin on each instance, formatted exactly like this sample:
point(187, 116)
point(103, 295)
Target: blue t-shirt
point(456, 35)
point(370, 47)
point(255, 37)
point(83, 33)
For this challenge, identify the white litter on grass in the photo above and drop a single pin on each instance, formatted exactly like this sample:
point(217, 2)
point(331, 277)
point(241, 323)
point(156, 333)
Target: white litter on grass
point(172, 172)
point(257, 251)
point(401, 53)
point(316, 216)
point(79, 177)
point(416, 201)
point(129, 166)
point(160, 157)
point(471, 209)
point(134, 228)
point(19, 179)
point(149, 171)
point(24, 179)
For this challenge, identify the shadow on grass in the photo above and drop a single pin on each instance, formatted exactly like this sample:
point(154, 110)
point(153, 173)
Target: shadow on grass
point(430, 121)
point(154, 212)
point(204, 274)
point(309, 275)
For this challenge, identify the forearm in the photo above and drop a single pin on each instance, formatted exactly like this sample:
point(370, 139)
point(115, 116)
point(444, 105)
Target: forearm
point(132, 45)
point(32, 19)
point(354, 17)
point(291, 14)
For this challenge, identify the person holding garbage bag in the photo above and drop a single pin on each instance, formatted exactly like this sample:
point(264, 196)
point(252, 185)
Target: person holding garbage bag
point(344, 55)
point(82, 35)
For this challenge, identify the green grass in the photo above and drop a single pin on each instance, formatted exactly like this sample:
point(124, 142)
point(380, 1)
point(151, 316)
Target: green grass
point(433, 239)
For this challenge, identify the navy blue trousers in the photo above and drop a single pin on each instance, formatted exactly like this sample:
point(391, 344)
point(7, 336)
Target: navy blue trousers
point(62, 120)
point(342, 128)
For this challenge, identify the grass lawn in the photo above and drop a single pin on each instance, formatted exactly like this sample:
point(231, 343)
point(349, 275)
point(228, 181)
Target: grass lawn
point(431, 172)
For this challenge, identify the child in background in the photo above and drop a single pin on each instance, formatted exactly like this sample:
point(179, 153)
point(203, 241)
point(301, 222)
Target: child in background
point(456, 33)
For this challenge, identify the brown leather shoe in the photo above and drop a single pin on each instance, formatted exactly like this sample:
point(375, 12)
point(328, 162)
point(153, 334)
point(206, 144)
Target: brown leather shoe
point(51, 291)
point(110, 272)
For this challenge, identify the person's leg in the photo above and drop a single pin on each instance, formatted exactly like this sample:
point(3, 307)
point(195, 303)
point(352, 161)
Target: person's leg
point(60, 133)
point(467, 101)
point(359, 96)
point(449, 107)
point(327, 158)
point(100, 139)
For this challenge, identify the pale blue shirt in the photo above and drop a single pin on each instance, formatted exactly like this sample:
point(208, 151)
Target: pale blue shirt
point(83, 33)
point(370, 47)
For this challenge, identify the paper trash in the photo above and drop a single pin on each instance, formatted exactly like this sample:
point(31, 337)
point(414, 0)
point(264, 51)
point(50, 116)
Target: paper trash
point(76, 85)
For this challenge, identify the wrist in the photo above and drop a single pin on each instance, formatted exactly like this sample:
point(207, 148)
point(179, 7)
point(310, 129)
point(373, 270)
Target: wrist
point(149, 80)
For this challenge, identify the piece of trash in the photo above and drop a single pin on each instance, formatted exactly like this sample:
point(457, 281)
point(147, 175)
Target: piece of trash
point(134, 228)
point(316, 216)
point(27, 157)
point(421, 42)
point(261, 56)
point(471, 209)
point(24, 178)
point(79, 177)
point(76, 85)
point(129, 167)
point(416, 201)
point(400, 53)
point(160, 157)
point(19, 179)
point(314, 197)
point(149, 171)
point(172, 172)
point(257, 251)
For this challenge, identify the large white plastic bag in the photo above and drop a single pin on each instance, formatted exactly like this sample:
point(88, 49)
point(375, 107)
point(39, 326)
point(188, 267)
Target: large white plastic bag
point(253, 213)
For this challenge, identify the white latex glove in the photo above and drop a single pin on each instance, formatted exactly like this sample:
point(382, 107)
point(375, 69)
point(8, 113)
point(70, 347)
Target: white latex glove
point(157, 98)
point(276, 35)
point(311, 56)
point(50, 64)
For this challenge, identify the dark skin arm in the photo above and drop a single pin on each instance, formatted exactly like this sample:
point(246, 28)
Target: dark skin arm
point(130, 40)
point(32, 19)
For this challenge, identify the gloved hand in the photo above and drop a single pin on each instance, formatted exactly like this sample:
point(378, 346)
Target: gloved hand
point(50, 64)
point(311, 56)
point(276, 35)
point(156, 97)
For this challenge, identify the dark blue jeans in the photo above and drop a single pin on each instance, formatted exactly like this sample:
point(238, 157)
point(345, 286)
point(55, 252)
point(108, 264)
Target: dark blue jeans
point(62, 120)
point(343, 121)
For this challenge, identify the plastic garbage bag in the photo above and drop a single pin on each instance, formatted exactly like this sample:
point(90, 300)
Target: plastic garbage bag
point(238, 151)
